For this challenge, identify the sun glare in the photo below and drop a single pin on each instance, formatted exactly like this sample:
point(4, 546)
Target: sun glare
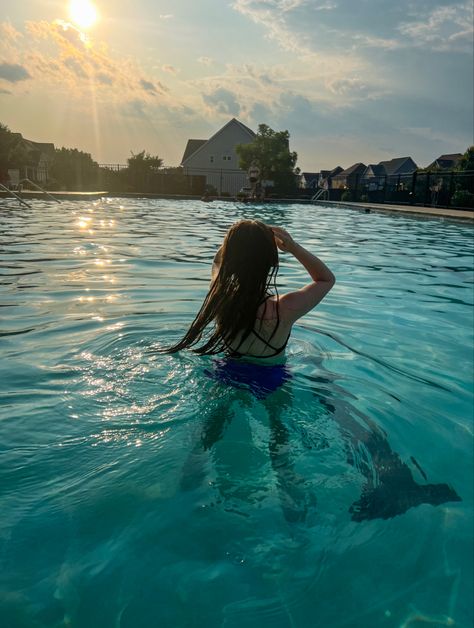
point(83, 13)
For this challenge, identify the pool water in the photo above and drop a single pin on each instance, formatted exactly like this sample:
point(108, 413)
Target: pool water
point(138, 491)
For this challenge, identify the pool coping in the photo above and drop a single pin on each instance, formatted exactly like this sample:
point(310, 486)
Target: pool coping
point(463, 214)
point(459, 214)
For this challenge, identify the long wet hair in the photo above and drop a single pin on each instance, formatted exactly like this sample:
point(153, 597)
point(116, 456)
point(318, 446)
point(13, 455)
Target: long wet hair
point(246, 277)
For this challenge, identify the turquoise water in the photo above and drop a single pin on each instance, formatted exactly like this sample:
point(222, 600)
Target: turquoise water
point(137, 491)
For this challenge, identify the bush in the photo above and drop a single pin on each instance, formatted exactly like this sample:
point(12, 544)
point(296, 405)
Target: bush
point(346, 196)
point(462, 198)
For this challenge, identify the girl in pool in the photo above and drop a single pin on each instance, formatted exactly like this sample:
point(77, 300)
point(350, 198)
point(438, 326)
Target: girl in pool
point(252, 323)
point(249, 319)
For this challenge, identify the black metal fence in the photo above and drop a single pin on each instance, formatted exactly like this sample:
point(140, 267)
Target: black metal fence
point(453, 189)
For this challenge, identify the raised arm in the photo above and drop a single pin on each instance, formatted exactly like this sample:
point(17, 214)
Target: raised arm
point(296, 304)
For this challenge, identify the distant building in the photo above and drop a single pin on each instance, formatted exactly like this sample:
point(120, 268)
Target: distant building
point(32, 159)
point(446, 162)
point(349, 177)
point(309, 180)
point(399, 165)
point(374, 177)
point(216, 158)
point(326, 176)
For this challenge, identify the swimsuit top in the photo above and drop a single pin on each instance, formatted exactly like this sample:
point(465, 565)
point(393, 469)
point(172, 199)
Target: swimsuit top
point(236, 354)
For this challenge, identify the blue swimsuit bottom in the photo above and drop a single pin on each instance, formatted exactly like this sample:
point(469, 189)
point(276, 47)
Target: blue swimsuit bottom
point(260, 379)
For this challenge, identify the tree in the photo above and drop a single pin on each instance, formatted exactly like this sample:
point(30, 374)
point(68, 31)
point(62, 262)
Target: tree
point(74, 170)
point(467, 160)
point(6, 141)
point(270, 149)
point(141, 170)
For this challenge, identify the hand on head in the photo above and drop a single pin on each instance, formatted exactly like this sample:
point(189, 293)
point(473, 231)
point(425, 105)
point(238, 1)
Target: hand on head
point(282, 238)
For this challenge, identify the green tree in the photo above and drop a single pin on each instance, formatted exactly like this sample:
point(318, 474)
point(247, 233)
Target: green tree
point(270, 149)
point(142, 170)
point(467, 160)
point(74, 170)
point(6, 141)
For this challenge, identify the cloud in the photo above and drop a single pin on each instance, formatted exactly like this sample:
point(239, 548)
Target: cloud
point(167, 16)
point(205, 60)
point(446, 28)
point(13, 72)
point(4, 91)
point(148, 86)
point(223, 101)
point(59, 55)
point(169, 68)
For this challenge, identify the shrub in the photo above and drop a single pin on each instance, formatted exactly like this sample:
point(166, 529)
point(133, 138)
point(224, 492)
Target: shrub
point(462, 198)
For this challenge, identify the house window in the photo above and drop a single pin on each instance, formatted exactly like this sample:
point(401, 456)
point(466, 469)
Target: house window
point(226, 157)
point(211, 159)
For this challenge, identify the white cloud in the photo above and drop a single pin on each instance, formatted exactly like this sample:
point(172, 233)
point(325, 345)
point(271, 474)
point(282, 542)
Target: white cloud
point(170, 69)
point(447, 28)
point(205, 60)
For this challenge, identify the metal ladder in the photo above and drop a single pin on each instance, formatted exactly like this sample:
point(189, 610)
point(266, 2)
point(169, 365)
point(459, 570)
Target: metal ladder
point(39, 188)
point(18, 198)
point(321, 192)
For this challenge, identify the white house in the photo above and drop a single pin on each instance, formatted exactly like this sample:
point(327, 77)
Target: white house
point(216, 158)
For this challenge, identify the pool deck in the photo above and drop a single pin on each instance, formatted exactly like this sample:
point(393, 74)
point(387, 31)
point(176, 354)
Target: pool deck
point(463, 214)
point(457, 214)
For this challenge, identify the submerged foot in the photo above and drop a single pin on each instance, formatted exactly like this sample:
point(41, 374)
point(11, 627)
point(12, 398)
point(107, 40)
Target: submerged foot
point(385, 501)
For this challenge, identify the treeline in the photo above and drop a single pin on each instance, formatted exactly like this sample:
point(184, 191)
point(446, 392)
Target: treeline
point(73, 170)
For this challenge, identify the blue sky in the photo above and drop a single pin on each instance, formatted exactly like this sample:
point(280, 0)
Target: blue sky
point(351, 81)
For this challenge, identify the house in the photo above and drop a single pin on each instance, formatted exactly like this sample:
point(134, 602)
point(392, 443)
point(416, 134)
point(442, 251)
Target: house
point(446, 162)
point(326, 176)
point(374, 177)
point(216, 158)
point(399, 165)
point(348, 178)
point(309, 180)
point(32, 160)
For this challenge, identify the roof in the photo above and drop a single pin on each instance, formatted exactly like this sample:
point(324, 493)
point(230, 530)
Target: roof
point(191, 147)
point(335, 171)
point(377, 169)
point(392, 166)
point(250, 133)
point(310, 176)
point(446, 161)
point(452, 156)
point(351, 170)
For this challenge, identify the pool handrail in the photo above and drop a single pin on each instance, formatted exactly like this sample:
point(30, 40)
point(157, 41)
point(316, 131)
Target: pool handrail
point(18, 198)
point(39, 188)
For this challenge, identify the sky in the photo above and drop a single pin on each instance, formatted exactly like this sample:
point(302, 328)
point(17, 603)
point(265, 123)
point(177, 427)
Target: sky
point(351, 80)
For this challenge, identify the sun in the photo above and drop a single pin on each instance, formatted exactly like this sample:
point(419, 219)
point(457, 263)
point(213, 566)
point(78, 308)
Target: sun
point(83, 13)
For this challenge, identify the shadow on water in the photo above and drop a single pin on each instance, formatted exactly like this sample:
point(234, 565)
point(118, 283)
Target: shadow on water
point(389, 487)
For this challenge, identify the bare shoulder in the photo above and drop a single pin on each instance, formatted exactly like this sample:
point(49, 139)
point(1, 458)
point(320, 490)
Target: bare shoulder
point(294, 305)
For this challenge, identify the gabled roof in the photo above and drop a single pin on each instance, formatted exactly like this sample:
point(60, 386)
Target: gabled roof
point(377, 169)
point(191, 147)
point(446, 161)
point(392, 166)
point(249, 132)
point(310, 176)
point(335, 171)
point(451, 157)
point(352, 169)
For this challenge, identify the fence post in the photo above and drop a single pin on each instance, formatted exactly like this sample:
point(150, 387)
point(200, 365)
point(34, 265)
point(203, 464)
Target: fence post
point(427, 189)
point(220, 184)
point(451, 188)
point(385, 189)
point(413, 188)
